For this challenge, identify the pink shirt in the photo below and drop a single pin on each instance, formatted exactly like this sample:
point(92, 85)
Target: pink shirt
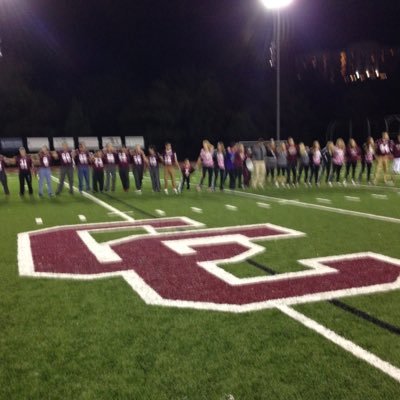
point(221, 160)
point(206, 158)
point(338, 156)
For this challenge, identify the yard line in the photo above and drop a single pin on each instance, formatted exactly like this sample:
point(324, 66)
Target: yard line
point(160, 212)
point(125, 212)
point(352, 198)
point(39, 221)
point(342, 342)
point(263, 205)
point(230, 207)
point(322, 200)
point(99, 202)
point(379, 196)
point(196, 210)
point(82, 218)
point(319, 207)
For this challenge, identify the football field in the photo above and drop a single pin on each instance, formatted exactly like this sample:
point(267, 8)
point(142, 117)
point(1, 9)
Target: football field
point(273, 294)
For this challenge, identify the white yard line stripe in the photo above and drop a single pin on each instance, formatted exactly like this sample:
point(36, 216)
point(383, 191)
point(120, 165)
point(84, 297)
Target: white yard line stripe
point(197, 210)
point(161, 213)
point(352, 198)
point(230, 207)
point(322, 200)
point(263, 205)
point(344, 343)
point(82, 218)
point(379, 196)
point(39, 221)
point(125, 212)
point(99, 202)
point(319, 207)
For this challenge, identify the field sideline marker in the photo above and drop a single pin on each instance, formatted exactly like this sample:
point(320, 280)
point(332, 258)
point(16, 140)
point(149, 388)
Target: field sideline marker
point(197, 210)
point(352, 198)
point(230, 207)
point(322, 200)
point(263, 205)
point(39, 221)
point(319, 207)
point(161, 213)
point(99, 202)
point(82, 218)
point(379, 196)
point(342, 342)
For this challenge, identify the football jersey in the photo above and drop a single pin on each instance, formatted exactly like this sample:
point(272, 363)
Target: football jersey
point(45, 160)
point(137, 159)
point(98, 164)
point(123, 159)
point(153, 161)
point(338, 156)
point(396, 150)
point(65, 158)
point(169, 157)
point(352, 154)
point(82, 158)
point(109, 158)
point(383, 147)
point(24, 163)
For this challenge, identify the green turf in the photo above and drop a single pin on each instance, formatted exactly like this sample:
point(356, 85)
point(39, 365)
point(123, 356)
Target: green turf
point(62, 339)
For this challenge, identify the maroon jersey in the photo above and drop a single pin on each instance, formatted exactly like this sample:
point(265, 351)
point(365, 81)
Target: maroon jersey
point(110, 158)
point(169, 157)
point(24, 163)
point(98, 164)
point(396, 150)
point(138, 160)
point(352, 154)
point(82, 158)
point(153, 161)
point(292, 154)
point(65, 158)
point(239, 159)
point(45, 160)
point(187, 170)
point(384, 147)
point(123, 160)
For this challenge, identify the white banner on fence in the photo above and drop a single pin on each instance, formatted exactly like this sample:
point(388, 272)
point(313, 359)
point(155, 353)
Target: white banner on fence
point(92, 143)
point(131, 141)
point(58, 142)
point(36, 143)
point(8, 144)
point(114, 140)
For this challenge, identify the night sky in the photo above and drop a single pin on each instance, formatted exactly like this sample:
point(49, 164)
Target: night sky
point(147, 38)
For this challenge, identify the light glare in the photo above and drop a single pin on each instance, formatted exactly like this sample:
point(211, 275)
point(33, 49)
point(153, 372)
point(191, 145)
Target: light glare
point(276, 4)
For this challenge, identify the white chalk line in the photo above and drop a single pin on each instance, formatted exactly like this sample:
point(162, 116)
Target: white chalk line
point(161, 213)
point(98, 201)
point(197, 210)
point(342, 342)
point(318, 207)
point(39, 221)
point(230, 207)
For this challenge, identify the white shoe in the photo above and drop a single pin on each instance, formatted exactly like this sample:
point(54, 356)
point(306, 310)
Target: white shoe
point(353, 183)
point(276, 184)
point(330, 184)
point(138, 191)
point(166, 192)
point(176, 191)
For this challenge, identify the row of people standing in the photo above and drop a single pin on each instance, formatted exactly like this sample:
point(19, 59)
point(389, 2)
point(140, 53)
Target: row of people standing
point(289, 164)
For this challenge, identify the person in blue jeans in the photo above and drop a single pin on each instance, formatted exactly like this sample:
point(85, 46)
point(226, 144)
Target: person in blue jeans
point(82, 162)
point(45, 171)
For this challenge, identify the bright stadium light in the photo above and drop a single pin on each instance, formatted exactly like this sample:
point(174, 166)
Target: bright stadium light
point(277, 5)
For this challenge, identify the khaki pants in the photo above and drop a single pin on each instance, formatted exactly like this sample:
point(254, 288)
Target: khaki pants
point(258, 178)
point(169, 172)
point(382, 164)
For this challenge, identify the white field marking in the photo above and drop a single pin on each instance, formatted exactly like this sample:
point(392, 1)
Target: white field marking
point(103, 253)
point(197, 210)
point(263, 205)
point(82, 218)
point(39, 221)
point(161, 213)
point(352, 198)
point(322, 200)
point(319, 207)
point(344, 343)
point(230, 207)
point(379, 196)
point(99, 202)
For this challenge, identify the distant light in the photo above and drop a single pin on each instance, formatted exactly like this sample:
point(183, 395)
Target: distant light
point(276, 4)
point(367, 72)
point(358, 75)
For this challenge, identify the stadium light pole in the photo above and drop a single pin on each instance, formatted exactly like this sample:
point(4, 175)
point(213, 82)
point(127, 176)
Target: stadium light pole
point(277, 5)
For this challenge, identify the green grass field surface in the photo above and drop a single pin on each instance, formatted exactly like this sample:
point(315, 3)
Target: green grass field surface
point(64, 339)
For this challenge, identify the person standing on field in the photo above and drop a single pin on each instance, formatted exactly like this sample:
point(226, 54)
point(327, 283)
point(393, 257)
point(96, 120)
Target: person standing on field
point(3, 175)
point(25, 167)
point(124, 160)
point(396, 156)
point(81, 157)
point(259, 153)
point(45, 171)
point(383, 151)
point(170, 161)
point(110, 167)
point(66, 168)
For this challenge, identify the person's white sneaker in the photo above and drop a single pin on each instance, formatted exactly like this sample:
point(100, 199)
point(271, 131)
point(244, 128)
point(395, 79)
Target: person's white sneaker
point(166, 191)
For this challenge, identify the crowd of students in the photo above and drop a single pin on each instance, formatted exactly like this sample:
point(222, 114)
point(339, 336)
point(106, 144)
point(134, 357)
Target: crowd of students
point(285, 164)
